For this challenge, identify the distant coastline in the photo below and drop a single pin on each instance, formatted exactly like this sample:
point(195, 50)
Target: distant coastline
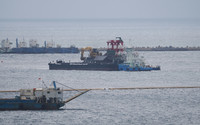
point(158, 48)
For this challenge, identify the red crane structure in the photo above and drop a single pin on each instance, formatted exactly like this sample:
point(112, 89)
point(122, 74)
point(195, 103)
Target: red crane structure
point(116, 45)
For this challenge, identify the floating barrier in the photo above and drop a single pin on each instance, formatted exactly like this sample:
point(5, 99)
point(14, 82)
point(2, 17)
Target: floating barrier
point(166, 87)
point(128, 88)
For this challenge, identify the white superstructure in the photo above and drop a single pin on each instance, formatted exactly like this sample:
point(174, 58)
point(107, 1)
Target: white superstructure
point(51, 93)
point(5, 43)
point(134, 59)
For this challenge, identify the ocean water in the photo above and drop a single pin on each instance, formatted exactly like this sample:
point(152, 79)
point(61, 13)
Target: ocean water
point(85, 32)
point(123, 107)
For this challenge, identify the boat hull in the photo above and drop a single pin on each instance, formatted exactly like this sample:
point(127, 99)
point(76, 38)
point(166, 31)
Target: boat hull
point(35, 50)
point(126, 67)
point(17, 104)
point(84, 66)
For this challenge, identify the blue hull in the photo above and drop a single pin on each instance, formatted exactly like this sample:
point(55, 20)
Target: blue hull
point(36, 50)
point(17, 104)
point(126, 67)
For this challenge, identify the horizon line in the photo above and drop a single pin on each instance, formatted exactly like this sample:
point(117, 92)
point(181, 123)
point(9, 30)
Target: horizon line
point(92, 19)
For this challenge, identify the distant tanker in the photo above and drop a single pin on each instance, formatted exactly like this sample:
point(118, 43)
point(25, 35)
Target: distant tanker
point(21, 48)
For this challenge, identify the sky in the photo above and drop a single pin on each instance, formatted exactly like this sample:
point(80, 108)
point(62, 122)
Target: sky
point(97, 9)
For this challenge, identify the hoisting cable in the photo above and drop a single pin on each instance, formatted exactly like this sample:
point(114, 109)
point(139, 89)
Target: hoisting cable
point(44, 84)
point(67, 86)
point(77, 95)
point(72, 89)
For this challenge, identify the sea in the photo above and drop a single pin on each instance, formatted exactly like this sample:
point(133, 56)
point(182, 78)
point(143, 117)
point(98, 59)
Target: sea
point(106, 107)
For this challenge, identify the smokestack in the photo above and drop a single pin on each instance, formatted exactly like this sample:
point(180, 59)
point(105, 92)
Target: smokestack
point(45, 44)
point(17, 43)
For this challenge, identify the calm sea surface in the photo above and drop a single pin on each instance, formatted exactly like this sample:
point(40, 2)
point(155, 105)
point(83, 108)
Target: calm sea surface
point(123, 107)
point(83, 33)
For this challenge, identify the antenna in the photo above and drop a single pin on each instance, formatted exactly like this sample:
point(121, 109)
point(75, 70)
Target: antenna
point(43, 84)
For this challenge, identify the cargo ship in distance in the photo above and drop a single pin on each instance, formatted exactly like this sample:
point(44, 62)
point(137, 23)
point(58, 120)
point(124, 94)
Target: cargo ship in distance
point(50, 98)
point(115, 59)
point(21, 48)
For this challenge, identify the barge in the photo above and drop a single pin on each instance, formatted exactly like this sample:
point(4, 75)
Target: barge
point(96, 60)
point(116, 58)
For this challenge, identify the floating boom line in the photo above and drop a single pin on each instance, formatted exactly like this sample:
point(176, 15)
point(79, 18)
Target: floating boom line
point(128, 88)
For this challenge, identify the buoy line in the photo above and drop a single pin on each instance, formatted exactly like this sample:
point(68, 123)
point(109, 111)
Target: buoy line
point(166, 87)
point(128, 88)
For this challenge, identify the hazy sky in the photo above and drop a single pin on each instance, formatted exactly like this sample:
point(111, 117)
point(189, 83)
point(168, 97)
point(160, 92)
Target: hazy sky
point(59, 9)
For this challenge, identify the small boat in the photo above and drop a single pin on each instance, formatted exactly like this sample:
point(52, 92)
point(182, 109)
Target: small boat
point(50, 98)
point(134, 62)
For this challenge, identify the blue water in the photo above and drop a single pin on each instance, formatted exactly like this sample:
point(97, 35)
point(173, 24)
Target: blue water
point(123, 107)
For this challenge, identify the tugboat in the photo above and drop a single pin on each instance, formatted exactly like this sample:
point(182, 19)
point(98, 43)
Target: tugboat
point(50, 98)
point(134, 62)
point(96, 61)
